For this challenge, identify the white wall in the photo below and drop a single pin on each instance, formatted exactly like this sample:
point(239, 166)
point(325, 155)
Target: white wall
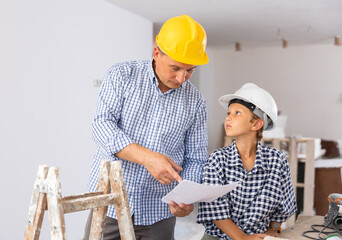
point(51, 51)
point(305, 81)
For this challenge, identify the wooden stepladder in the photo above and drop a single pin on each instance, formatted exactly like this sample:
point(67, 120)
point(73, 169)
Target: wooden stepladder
point(47, 195)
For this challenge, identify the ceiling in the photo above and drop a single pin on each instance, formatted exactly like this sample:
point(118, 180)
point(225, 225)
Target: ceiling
point(252, 23)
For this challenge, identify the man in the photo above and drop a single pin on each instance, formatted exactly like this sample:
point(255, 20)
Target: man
point(152, 119)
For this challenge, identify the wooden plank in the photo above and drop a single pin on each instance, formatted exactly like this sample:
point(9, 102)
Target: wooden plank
point(81, 204)
point(82, 195)
point(309, 179)
point(122, 209)
point(99, 214)
point(37, 206)
point(327, 181)
point(276, 143)
point(55, 206)
point(293, 162)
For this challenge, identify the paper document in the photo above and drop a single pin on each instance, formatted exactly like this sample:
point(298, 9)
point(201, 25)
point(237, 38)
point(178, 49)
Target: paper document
point(189, 192)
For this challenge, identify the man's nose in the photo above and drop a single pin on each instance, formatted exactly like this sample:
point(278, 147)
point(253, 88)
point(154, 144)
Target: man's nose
point(181, 77)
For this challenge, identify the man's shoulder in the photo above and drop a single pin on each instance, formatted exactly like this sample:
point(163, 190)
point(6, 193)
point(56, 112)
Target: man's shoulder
point(192, 92)
point(134, 64)
point(130, 71)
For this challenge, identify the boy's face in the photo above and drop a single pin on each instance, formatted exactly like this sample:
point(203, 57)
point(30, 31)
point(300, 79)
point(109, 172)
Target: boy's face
point(238, 121)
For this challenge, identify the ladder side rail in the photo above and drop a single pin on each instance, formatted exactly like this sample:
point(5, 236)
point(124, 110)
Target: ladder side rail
point(122, 210)
point(99, 214)
point(37, 206)
point(55, 205)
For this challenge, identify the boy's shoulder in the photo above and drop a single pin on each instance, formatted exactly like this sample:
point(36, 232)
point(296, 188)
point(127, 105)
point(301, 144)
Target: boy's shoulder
point(270, 150)
point(222, 155)
point(224, 151)
point(273, 157)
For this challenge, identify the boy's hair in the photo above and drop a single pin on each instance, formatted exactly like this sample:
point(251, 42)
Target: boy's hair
point(259, 135)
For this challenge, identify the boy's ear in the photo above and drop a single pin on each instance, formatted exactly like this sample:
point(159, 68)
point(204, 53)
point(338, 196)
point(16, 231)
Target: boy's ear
point(257, 124)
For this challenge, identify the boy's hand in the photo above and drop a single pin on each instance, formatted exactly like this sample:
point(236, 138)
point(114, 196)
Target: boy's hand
point(270, 231)
point(254, 237)
point(180, 210)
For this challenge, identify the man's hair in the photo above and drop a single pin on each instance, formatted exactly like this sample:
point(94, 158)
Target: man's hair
point(260, 131)
point(162, 52)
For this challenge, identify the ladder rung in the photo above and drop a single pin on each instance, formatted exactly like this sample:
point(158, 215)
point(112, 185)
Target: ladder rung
point(84, 203)
point(82, 195)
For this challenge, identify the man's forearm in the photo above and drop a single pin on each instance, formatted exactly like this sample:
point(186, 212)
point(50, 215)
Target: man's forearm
point(134, 153)
point(160, 166)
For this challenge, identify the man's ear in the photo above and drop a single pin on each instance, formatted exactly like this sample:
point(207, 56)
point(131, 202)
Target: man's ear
point(156, 53)
point(257, 124)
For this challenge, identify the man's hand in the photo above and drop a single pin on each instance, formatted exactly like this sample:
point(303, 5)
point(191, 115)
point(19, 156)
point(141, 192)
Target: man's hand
point(180, 210)
point(160, 166)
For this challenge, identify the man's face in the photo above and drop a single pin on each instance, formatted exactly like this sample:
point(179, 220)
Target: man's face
point(170, 73)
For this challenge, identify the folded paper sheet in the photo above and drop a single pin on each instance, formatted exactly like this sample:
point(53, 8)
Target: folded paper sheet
point(189, 192)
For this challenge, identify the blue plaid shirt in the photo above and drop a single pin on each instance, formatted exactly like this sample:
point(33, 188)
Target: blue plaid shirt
point(132, 109)
point(266, 193)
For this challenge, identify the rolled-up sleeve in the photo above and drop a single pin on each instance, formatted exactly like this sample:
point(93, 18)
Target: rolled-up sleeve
point(106, 132)
point(288, 204)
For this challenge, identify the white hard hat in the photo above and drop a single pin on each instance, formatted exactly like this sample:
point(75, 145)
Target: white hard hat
point(265, 106)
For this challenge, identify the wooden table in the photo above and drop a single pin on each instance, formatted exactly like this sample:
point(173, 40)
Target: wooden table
point(302, 224)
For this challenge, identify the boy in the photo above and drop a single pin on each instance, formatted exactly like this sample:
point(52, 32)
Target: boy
point(265, 197)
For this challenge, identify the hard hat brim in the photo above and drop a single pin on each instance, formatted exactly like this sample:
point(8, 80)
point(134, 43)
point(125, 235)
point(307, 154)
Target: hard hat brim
point(191, 61)
point(225, 99)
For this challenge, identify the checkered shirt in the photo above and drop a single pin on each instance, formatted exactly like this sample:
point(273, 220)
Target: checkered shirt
point(132, 109)
point(266, 193)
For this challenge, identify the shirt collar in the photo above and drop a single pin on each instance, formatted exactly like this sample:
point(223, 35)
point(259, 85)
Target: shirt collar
point(259, 163)
point(152, 74)
point(155, 80)
point(236, 160)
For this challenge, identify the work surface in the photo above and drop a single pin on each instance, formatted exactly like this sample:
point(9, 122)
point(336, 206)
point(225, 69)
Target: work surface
point(303, 224)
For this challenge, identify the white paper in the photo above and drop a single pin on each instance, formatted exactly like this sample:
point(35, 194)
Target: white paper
point(189, 192)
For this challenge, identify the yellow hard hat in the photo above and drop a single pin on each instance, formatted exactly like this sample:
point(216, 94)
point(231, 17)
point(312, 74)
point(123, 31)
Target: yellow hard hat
point(184, 40)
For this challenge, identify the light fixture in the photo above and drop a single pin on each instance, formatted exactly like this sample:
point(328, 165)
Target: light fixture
point(285, 43)
point(337, 41)
point(238, 46)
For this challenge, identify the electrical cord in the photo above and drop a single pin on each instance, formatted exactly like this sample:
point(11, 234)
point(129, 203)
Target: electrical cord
point(315, 230)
